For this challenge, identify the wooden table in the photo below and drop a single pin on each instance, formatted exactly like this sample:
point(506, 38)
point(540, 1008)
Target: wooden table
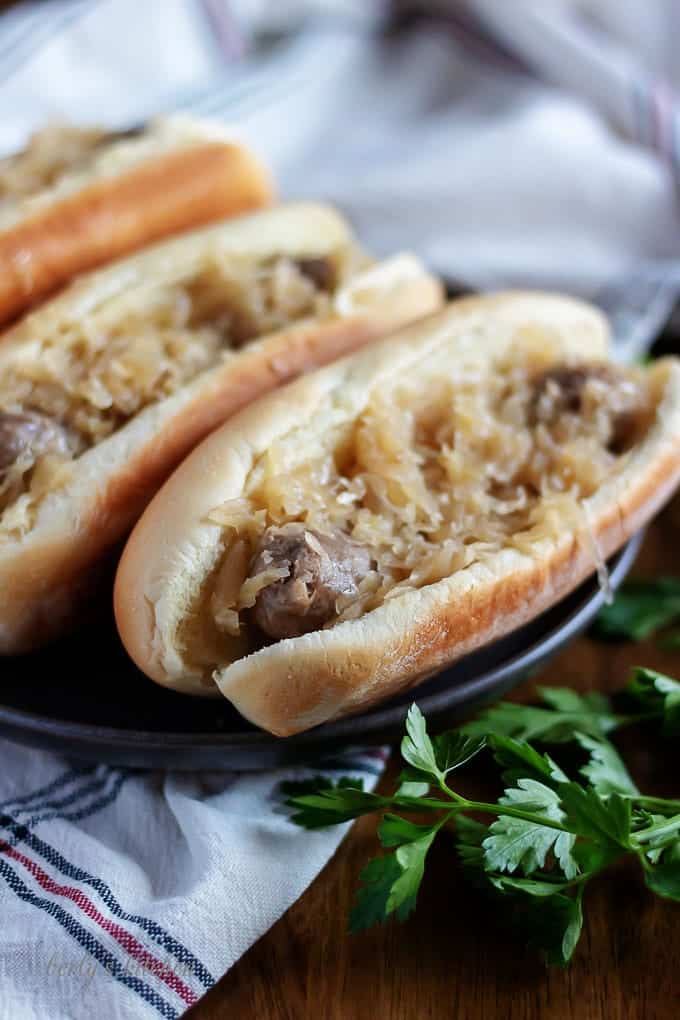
point(451, 959)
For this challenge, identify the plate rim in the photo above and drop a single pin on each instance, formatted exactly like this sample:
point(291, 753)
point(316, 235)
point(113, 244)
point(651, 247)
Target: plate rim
point(471, 690)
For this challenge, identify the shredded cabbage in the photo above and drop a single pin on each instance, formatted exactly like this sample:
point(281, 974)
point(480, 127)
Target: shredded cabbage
point(97, 372)
point(49, 154)
point(438, 472)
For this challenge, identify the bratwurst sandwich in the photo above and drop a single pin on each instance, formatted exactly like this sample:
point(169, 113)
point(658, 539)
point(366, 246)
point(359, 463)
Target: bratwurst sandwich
point(344, 538)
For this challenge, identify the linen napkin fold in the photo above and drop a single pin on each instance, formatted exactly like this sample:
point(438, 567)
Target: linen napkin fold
point(532, 143)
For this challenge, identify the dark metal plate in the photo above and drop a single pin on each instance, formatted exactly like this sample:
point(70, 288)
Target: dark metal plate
point(85, 699)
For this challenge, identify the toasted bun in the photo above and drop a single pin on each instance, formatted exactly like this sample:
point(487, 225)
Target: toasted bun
point(296, 683)
point(175, 175)
point(45, 575)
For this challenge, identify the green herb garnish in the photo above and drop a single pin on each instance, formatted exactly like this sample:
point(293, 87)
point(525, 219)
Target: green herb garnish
point(547, 835)
point(640, 610)
point(566, 716)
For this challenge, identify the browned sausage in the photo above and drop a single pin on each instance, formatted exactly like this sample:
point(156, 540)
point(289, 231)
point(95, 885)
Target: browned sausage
point(561, 391)
point(322, 568)
point(28, 435)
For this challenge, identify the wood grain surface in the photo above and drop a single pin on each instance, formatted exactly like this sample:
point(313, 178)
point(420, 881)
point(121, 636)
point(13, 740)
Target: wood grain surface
point(452, 959)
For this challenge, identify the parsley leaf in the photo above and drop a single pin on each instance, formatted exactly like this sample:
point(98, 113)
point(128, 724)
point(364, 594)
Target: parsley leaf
point(416, 747)
point(395, 830)
point(411, 860)
point(640, 609)
point(663, 878)
point(453, 749)
point(568, 713)
point(605, 770)
point(316, 784)
point(412, 785)
point(593, 857)
point(332, 804)
point(370, 904)
point(434, 759)
point(658, 694)
point(564, 699)
point(531, 886)
point(520, 759)
point(515, 843)
point(606, 821)
point(551, 924)
point(391, 883)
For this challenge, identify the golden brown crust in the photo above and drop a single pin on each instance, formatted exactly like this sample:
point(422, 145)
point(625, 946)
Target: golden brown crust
point(116, 215)
point(297, 683)
point(46, 578)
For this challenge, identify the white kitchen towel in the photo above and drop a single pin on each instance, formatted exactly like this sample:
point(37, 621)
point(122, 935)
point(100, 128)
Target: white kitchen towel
point(127, 894)
point(533, 142)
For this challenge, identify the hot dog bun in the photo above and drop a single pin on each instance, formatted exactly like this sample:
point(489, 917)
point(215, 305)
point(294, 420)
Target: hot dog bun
point(505, 351)
point(75, 200)
point(178, 308)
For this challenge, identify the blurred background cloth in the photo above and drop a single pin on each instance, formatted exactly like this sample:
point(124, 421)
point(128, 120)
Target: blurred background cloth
point(526, 143)
point(508, 142)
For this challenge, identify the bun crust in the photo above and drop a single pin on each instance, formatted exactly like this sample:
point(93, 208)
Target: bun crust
point(293, 684)
point(182, 179)
point(47, 577)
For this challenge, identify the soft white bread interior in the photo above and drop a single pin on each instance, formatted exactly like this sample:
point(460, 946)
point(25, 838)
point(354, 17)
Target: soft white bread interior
point(162, 606)
point(67, 513)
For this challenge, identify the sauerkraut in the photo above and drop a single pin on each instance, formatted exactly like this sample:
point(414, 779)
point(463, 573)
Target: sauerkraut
point(436, 473)
point(49, 154)
point(94, 374)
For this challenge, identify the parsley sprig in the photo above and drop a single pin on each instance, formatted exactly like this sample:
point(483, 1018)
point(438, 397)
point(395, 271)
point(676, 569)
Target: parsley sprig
point(642, 609)
point(534, 849)
point(565, 713)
